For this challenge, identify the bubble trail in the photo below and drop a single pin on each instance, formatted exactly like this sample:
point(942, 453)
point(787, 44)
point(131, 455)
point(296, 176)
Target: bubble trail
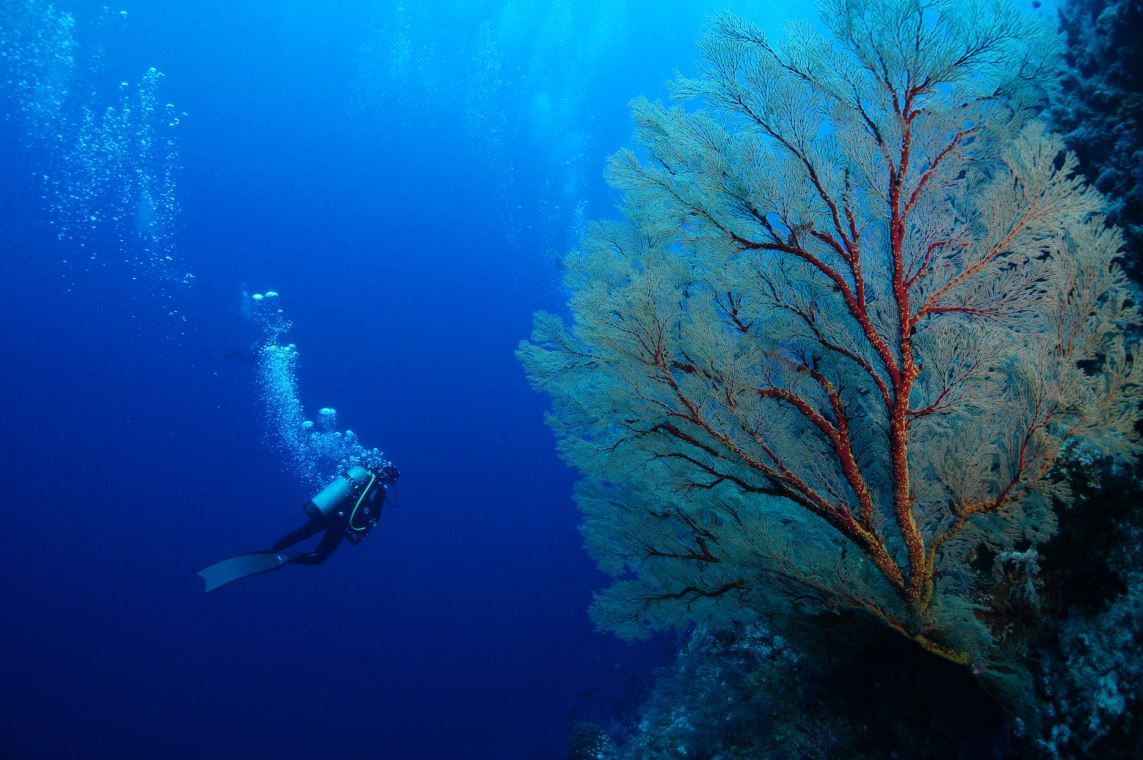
point(316, 453)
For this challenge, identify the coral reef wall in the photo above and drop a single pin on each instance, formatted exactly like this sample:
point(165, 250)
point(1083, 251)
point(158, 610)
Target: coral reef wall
point(1075, 603)
point(1100, 108)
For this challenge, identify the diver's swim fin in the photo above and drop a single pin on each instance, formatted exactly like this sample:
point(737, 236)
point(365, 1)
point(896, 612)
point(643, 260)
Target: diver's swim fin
point(221, 573)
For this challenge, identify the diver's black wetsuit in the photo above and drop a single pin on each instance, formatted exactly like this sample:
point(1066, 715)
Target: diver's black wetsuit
point(348, 508)
point(334, 527)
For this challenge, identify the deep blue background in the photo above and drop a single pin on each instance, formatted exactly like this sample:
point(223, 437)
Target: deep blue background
point(133, 453)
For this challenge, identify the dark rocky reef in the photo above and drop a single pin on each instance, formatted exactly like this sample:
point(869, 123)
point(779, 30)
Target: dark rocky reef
point(590, 742)
point(1100, 107)
point(748, 693)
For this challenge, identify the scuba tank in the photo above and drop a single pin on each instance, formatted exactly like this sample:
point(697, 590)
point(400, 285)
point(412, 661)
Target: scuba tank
point(336, 496)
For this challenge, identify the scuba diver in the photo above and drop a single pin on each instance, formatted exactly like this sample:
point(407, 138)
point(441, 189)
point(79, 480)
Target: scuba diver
point(348, 508)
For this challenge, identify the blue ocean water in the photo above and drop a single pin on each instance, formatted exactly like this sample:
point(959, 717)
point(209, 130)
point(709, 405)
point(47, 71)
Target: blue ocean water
point(405, 175)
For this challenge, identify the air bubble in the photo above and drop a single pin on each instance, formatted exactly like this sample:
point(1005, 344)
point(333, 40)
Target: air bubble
point(111, 150)
point(316, 451)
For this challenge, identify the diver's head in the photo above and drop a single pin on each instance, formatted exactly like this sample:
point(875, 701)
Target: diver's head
point(389, 474)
